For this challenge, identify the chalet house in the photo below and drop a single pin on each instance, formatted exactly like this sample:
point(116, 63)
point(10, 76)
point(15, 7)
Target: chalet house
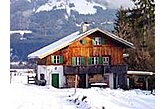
point(94, 55)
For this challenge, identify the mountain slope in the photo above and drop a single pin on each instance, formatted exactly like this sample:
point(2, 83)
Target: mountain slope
point(50, 20)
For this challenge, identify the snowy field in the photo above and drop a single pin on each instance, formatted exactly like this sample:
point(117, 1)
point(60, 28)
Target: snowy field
point(25, 96)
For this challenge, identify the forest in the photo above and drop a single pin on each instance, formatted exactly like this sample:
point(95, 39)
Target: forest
point(137, 25)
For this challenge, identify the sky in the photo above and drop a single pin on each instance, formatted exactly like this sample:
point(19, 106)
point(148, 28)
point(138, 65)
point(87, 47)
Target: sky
point(116, 3)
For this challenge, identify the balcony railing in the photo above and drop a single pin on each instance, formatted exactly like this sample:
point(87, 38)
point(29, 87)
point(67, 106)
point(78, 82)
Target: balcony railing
point(95, 69)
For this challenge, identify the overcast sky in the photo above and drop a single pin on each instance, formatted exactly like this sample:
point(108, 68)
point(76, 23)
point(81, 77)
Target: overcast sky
point(116, 3)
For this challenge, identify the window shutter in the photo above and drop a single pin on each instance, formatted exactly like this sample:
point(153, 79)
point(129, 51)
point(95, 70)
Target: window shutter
point(83, 41)
point(73, 60)
point(89, 60)
point(52, 59)
point(102, 40)
point(61, 59)
point(100, 60)
point(93, 41)
point(82, 60)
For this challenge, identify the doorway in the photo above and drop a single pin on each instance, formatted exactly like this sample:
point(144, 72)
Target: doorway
point(82, 81)
point(55, 80)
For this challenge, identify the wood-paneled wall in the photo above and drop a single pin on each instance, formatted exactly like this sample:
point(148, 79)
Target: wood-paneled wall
point(110, 48)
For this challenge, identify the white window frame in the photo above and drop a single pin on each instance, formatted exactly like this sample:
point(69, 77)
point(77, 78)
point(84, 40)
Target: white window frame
point(57, 59)
point(95, 60)
point(98, 40)
point(77, 60)
point(106, 60)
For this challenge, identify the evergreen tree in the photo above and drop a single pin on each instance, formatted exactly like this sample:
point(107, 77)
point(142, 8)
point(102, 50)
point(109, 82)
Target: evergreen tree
point(139, 26)
point(121, 24)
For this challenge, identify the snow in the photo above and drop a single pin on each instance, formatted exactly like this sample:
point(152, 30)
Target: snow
point(82, 6)
point(99, 84)
point(108, 22)
point(85, 7)
point(115, 4)
point(54, 46)
point(17, 63)
point(21, 32)
point(29, 1)
point(140, 73)
point(35, 97)
point(114, 99)
point(25, 96)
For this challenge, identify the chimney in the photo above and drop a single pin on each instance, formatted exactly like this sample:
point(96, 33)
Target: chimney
point(85, 26)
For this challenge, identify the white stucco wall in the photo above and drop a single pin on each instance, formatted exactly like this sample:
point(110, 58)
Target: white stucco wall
point(41, 69)
point(111, 84)
point(51, 69)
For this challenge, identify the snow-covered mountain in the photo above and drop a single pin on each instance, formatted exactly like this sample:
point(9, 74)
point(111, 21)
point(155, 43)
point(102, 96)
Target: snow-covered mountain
point(82, 7)
point(50, 20)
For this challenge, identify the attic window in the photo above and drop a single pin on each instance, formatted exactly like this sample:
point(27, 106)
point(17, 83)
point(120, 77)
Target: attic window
point(82, 41)
point(98, 41)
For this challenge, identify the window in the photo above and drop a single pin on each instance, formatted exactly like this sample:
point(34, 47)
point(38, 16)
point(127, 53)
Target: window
point(78, 61)
point(83, 42)
point(98, 41)
point(42, 76)
point(56, 59)
point(94, 60)
point(105, 60)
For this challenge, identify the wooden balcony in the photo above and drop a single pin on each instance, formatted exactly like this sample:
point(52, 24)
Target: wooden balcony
point(95, 69)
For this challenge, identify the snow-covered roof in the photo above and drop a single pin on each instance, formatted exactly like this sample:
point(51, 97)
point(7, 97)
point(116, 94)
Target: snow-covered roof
point(45, 51)
point(140, 73)
point(41, 53)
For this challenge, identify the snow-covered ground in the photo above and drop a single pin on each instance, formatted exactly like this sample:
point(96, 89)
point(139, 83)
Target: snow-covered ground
point(38, 97)
point(96, 98)
point(25, 96)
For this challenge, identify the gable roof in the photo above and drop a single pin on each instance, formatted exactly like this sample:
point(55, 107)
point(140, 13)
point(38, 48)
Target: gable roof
point(47, 50)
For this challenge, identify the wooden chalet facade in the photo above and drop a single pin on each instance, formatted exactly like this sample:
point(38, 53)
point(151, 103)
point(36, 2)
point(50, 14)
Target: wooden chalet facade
point(95, 56)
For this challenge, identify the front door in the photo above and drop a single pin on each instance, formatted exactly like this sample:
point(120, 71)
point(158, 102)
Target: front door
point(55, 80)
